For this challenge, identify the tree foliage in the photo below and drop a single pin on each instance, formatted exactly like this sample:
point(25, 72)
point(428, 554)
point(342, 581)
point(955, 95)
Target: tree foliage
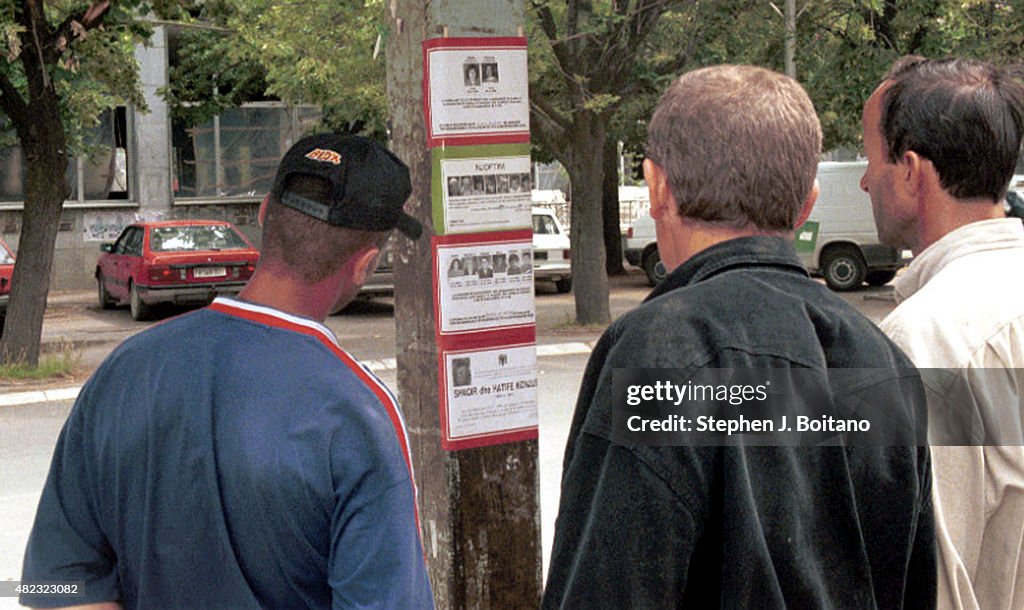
point(845, 47)
point(85, 54)
point(299, 51)
point(596, 69)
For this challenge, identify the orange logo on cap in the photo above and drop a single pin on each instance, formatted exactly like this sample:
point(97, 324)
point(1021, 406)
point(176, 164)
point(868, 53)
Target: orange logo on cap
point(326, 156)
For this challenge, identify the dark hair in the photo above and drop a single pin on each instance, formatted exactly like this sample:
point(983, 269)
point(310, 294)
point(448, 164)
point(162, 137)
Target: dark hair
point(739, 144)
point(963, 115)
point(308, 247)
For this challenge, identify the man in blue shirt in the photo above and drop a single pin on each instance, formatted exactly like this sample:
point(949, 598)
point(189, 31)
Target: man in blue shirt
point(237, 456)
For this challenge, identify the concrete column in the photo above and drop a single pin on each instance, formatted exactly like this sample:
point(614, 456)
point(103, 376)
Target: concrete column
point(152, 132)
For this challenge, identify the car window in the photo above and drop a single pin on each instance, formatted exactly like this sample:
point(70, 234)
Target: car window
point(130, 242)
point(122, 242)
point(544, 225)
point(134, 247)
point(195, 237)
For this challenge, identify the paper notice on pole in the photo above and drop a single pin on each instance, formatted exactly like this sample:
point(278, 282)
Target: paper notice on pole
point(485, 286)
point(486, 194)
point(490, 394)
point(477, 90)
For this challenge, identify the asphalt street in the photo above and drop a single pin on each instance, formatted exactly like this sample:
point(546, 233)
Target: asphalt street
point(30, 423)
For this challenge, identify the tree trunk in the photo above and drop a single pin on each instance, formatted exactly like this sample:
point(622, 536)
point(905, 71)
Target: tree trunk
point(44, 146)
point(610, 209)
point(590, 282)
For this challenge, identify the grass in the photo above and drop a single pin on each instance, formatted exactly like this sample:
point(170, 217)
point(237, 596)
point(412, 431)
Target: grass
point(59, 363)
point(568, 324)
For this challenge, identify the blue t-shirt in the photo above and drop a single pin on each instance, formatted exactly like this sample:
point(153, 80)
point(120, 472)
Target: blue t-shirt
point(234, 457)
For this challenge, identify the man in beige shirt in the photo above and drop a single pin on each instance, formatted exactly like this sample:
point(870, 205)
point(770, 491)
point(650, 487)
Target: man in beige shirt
point(942, 140)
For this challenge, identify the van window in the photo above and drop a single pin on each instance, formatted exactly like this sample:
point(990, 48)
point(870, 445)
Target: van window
point(544, 225)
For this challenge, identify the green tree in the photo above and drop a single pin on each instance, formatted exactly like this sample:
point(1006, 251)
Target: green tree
point(588, 60)
point(845, 47)
point(301, 52)
point(66, 62)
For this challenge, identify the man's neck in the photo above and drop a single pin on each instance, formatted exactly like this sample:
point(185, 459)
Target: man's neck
point(690, 237)
point(285, 293)
point(948, 215)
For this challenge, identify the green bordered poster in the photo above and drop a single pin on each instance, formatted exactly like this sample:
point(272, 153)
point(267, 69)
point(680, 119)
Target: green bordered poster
point(478, 189)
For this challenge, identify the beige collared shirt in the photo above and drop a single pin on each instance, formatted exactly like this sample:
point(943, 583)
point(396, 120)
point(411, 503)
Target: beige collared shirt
point(961, 307)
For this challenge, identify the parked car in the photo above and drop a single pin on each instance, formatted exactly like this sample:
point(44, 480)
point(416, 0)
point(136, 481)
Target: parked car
point(6, 272)
point(383, 279)
point(642, 249)
point(551, 256)
point(184, 262)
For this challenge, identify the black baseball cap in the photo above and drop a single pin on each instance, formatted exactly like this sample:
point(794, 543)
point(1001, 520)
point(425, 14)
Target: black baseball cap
point(369, 185)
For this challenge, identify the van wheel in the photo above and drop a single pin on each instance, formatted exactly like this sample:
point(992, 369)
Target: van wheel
point(844, 269)
point(563, 286)
point(879, 277)
point(653, 267)
point(139, 310)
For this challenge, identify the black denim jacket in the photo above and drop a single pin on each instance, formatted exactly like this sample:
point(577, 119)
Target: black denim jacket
point(740, 527)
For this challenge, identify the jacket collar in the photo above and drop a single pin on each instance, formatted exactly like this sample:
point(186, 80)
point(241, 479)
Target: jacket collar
point(981, 236)
point(759, 251)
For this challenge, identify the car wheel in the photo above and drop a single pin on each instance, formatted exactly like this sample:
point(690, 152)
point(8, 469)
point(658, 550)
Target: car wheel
point(844, 269)
point(102, 295)
point(564, 286)
point(139, 310)
point(879, 277)
point(654, 268)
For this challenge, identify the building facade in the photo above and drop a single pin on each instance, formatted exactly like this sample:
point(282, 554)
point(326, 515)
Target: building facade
point(153, 166)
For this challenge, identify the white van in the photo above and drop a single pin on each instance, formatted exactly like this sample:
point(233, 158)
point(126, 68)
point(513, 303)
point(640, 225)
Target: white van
point(839, 240)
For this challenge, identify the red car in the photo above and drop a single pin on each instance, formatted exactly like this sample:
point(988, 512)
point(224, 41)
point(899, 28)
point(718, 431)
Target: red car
point(184, 262)
point(6, 271)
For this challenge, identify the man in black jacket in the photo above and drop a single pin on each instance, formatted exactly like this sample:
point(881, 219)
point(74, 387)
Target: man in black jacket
point(683, 520)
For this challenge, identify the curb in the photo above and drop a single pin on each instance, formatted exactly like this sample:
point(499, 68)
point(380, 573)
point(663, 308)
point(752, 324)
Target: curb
point(27, 398)
point(18, 399)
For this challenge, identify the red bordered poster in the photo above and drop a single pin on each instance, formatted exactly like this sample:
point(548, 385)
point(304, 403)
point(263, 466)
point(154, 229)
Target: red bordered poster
point(483, 282)
point(489, 395)
point(486, 335)
point(476, 91)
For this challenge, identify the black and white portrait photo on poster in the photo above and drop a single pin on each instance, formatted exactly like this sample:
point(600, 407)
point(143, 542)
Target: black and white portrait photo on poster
point(485, 194)
point(471, 74)
point(484, 286)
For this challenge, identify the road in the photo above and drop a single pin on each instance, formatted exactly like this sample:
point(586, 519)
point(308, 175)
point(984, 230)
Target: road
point(28, 432)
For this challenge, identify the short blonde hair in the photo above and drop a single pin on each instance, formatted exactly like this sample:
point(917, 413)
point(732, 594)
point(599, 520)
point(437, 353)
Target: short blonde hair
point(310, 248)
point(739, 144)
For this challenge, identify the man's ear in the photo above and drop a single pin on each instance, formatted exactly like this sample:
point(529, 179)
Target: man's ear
point(263, 210)
point(364, 263)
point(657, 187)
point(913, 171)
point(812, 197)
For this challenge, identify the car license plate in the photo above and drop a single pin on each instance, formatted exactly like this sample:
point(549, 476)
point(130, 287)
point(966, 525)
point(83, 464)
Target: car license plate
point(209, 272)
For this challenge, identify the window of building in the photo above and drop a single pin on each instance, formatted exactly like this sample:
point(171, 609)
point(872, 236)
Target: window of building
point(100, 175)
point(235, 154)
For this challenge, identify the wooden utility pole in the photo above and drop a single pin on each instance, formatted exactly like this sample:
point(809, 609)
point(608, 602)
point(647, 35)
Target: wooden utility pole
point(479, 507)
